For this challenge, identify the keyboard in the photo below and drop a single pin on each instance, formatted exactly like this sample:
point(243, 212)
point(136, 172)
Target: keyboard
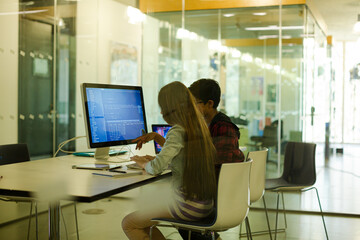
point(133, 166)
point(91, 154)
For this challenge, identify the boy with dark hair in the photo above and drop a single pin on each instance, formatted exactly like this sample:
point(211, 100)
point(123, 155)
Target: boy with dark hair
point(224, 133)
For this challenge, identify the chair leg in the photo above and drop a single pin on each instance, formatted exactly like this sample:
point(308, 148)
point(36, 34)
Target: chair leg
point(247, 223)
point(247, 232)
point(30, 217)
point(277, 211)
point(322, 215)
point(151, 229)
point(283, 202)
point(36, 220)
point(76, 222)
point(189, 235)
point(213, 235)
point(267, 218)
point(240, 230)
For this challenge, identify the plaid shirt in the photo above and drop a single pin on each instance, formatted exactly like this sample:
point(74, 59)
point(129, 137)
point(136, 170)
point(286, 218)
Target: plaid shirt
point(225, 137)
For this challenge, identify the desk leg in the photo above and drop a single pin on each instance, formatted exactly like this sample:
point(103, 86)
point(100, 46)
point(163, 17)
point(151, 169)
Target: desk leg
point(54, 220)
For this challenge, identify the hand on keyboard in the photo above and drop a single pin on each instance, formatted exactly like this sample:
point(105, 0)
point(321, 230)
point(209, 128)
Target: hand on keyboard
point(133, 166)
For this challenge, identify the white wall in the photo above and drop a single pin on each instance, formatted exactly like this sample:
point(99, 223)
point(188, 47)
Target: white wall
point(99, 23)
point(9, 53)
point(150, 66)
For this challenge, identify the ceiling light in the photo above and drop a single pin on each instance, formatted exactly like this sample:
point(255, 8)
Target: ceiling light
point(267, 36)
point(23, 12)
point(229, 15)
point(273, 27)
point(357, 25)
point(273, 36)
point(259, 13)
point(61, 23)
point(182, 33)
point(135, 15)
point(29, 3)
point(235, 53)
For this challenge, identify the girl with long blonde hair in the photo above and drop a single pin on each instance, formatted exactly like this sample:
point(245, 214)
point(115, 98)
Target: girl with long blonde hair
point(190, 153)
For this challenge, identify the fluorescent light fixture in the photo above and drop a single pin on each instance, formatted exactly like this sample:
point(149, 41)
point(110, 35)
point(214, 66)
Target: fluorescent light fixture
point(214, 45)
point(269, 66)
point(61, 23)
point(287, 50)
point(259, 13)
point(193, 36)
point(29, 3)
point(229, 15)
point(247, 57)
point(235, 53)
point(307, 35)
point(258, 61)
point(273, 36)
point(277, 68)
point(135, 15)
point(224, 49)
point(23, 12)
point(267, 37)
point(357, 25)
point(273, 27)
point(182, 33)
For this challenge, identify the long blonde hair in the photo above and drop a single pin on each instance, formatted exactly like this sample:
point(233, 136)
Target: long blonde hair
point(178, 107)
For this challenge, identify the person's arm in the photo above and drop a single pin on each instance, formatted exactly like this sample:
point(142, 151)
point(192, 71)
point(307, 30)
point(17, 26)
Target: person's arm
point(142, 160)
point(226, 142)
point(148, 137)
point(173, 145)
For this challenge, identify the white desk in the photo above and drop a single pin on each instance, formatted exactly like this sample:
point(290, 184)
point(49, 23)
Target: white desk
point(56, 176)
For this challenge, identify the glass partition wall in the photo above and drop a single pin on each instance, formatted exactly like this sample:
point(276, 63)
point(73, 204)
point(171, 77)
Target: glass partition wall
point(53, 46)
point(263, 82)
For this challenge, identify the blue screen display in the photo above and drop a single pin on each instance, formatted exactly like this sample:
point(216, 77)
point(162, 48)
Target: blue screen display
point(162, 130)
point(115, 114)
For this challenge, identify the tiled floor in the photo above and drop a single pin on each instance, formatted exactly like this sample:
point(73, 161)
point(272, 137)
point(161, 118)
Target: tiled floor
point(338, 183)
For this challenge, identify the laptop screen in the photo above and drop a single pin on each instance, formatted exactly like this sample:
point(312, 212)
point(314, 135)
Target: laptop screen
point(161, 129)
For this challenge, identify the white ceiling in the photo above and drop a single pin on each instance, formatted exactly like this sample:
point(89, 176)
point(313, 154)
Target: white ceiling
point(339, 17)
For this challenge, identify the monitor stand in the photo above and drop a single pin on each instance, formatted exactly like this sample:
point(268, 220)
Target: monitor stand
point(102, 154)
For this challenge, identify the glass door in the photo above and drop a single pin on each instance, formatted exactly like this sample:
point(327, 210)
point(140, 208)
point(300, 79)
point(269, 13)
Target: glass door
point(316, 95)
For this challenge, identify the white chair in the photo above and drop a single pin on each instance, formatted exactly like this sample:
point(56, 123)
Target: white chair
point(232, 205)
point(257, 184)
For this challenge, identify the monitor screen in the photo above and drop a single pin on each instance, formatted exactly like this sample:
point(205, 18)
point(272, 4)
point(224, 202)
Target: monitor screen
point(161, 129)
point(114, 114)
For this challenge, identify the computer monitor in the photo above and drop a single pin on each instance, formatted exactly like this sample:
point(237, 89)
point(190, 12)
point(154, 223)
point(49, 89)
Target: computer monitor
point(161, 129)
point(114, 115)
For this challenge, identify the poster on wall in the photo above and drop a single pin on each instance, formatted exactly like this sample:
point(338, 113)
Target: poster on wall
point(123, 64)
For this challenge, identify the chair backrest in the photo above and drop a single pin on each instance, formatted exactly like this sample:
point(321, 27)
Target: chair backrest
point(14, 153)
point(257, 174)
point(233, 195)
point(270, 136)
point(276, 124)
point(299, 163)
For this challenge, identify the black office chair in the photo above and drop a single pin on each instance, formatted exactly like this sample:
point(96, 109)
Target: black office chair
point(299, 175)
point(268, 139)
point(16, 153)
point(270, 136)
